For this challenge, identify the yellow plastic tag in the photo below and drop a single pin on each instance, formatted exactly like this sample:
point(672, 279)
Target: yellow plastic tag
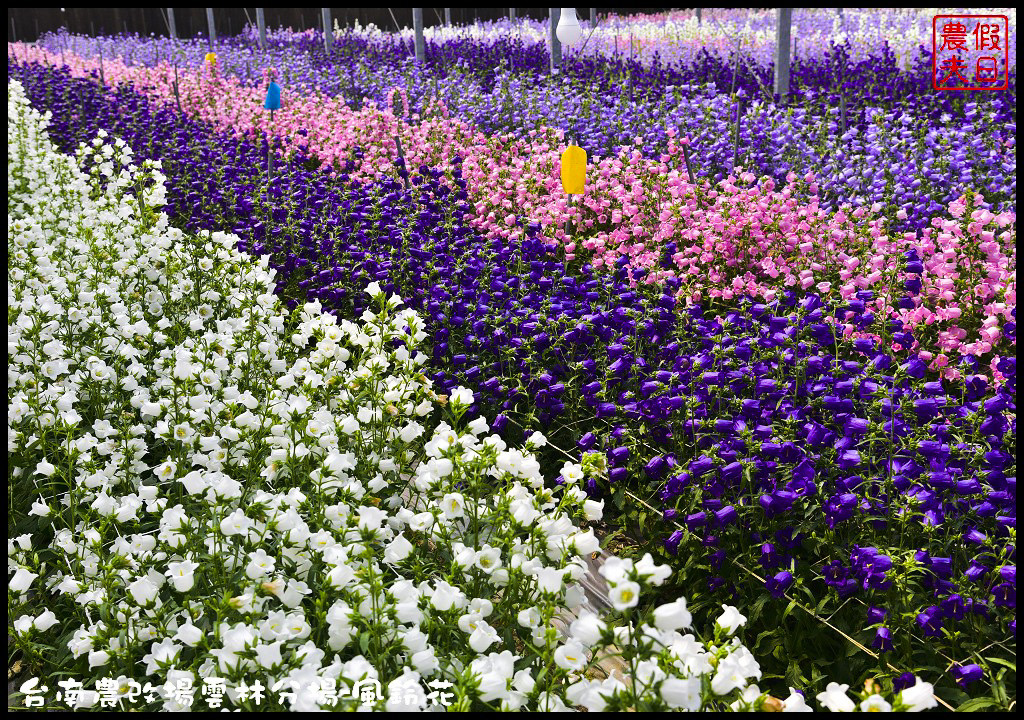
point(211, 58)
point(574, 169)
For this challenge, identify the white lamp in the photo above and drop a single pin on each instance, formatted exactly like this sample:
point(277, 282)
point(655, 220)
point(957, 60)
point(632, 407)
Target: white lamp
point(568, 31)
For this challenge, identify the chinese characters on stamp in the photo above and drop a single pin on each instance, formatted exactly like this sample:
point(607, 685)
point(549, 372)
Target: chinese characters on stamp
point(970, 52)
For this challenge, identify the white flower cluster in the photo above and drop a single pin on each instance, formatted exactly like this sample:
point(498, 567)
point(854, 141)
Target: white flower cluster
point(679, 36)
point(215, 489)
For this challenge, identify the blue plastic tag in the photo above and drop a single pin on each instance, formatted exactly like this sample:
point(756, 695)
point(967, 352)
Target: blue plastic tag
point(273, 101)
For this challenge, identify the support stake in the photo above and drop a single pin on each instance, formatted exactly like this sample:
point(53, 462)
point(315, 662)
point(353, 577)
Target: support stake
point(270, 154)
point(736, 134)
point(689, 171)
point(401, 156)
point(177, 97)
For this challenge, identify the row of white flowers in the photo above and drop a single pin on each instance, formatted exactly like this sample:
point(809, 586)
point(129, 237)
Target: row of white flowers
point(224, 505)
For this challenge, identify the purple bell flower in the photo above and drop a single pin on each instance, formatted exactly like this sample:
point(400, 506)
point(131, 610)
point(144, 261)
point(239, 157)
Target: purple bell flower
point(967, 674)
point(779, 583)
point(883, 640)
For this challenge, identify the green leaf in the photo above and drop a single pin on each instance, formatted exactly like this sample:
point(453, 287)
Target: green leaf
point(618, 498)
point(1001, 661)
point(975, 704)
point(789, 609)
point(757, 607)
point(611, 536)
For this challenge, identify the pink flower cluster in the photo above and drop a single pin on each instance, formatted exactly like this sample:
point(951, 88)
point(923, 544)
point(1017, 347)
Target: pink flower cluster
point(739, 237)
point(969, 285)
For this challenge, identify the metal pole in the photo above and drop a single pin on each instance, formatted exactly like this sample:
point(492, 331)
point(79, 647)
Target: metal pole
point(698, 15)
point(328, 29)
point(212, 27)
point(448, 16)
point(398, 28)
point(782, 39)
point(735, 68)
point(593, 17)
point(261, 23)
point(417, 26)
point(512, 15)
point(170, 22)
point(556, 46)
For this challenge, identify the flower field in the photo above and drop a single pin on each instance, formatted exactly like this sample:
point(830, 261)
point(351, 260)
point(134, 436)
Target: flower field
point(349, 394)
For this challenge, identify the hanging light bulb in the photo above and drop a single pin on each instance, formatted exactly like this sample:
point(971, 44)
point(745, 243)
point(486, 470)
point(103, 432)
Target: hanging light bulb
point(568, 31)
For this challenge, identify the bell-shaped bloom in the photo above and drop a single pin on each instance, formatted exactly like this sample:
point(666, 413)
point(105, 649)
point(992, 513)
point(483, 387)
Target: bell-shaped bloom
point(930, 621)
point(779, 583)
point(882, 640)
point(967, 674)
